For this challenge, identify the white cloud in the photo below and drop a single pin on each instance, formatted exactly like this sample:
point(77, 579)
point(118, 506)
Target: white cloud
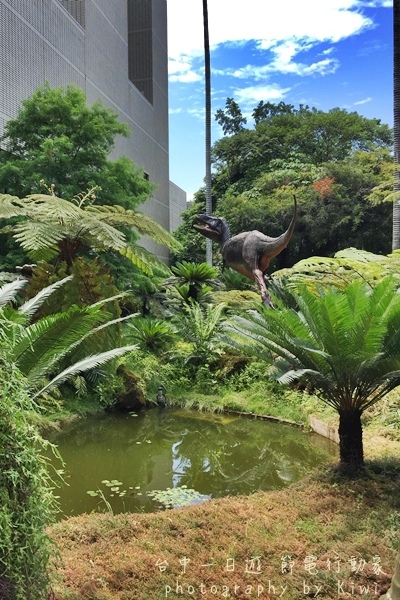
point(365, 101)
point(255, 93)
point(287, 26)
point(186, 77)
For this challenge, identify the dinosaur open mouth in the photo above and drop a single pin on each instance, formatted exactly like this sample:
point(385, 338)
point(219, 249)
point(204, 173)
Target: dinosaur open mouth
point(202, 225)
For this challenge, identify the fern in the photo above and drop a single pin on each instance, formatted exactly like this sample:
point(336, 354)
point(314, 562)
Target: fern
point(50, 226)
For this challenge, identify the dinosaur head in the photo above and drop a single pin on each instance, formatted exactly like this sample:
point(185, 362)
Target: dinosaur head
point(214, 228)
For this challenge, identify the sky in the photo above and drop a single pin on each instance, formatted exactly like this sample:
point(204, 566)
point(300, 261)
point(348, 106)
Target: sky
point(320, 53)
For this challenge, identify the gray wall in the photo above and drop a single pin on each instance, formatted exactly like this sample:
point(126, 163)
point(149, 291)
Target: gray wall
point(177, 204)
point(85, 42)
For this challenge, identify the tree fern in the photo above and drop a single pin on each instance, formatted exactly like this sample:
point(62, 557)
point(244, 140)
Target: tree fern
point(49, 226)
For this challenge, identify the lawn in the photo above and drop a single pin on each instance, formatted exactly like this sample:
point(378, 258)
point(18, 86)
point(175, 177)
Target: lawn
point(326, 537)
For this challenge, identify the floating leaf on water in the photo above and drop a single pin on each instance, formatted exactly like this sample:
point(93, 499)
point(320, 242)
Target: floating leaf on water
point(148, 441)
point(138, 442)
point(92, 493)
point(105, 481)
point(137, 487)
point(177, 497)
point(133, 414)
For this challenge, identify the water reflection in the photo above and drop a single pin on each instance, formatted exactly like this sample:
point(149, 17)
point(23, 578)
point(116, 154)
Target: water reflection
point(217, 455)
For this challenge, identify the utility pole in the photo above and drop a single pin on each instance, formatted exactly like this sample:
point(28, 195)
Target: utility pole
point(207, 64)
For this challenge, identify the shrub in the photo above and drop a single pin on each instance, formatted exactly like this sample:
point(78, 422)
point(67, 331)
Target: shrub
point(27, 504)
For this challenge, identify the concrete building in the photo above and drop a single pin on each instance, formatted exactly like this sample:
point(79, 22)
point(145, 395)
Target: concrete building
point(116, 51)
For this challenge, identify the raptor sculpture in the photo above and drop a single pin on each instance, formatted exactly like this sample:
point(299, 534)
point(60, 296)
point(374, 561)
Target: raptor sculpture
point(248, 253)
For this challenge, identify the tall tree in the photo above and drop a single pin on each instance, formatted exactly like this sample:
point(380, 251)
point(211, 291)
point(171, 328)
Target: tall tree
point(207, 66)
point(344, 345)
point(396, 124)
point(58, 139)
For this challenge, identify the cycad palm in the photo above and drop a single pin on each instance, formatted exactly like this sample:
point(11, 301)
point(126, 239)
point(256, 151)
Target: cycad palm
point(346, 345)
point(38, 349)
point(194, 278)
point(151, 334)
point(50, 227)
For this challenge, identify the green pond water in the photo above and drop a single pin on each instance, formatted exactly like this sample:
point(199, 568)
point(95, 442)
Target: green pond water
point(123, 457)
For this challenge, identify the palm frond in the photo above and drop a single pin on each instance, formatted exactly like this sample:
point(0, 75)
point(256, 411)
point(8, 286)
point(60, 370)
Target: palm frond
point(42, 345)
point(145, 260)
point(11, 206)
point(39, 239)
point(31, 306)
point(145, 225)
point(347, 343)
point(87, 364)
point(52, 208)
point(9, 291)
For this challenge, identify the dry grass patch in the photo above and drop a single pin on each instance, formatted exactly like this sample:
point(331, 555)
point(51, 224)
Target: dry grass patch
point(324, 533)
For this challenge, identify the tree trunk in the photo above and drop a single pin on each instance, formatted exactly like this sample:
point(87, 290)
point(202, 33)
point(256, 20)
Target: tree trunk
point(350, 440)
point(396, 124)
point(207, 66)
point(393, 592)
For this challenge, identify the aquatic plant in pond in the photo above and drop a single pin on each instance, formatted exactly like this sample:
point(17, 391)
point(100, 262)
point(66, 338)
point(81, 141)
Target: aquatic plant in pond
point(177, 497)
point(169, 498)
point(123, 460)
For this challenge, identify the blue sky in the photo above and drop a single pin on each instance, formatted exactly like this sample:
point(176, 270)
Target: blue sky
point(324, 53)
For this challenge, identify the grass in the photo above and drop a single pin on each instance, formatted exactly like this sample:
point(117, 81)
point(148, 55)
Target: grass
point(326, 536)
point(296, 540)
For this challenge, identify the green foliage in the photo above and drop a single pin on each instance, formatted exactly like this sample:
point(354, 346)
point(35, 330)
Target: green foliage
point(27, 504)
point(49, 227)
point(346, 266)
point(231, 119)
point(90, 282)
point(39, 348)
point(281, 131)
point(192, 246)
point(167, 371)
point(153, 335)
point(177, 497)
point(343, 344)
point(192, 280)
point(233, 280)
point(57, 138)
point(200, 326)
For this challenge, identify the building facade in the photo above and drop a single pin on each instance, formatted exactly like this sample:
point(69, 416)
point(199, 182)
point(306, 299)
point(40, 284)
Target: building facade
point(116, 51)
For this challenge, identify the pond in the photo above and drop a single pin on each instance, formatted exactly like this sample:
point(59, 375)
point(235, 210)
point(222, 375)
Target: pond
point(116, 462)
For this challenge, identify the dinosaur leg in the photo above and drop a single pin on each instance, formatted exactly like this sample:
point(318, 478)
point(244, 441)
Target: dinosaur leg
point(259, 277)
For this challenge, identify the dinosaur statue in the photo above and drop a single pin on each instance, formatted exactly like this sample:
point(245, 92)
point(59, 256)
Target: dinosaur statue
point(248, 253)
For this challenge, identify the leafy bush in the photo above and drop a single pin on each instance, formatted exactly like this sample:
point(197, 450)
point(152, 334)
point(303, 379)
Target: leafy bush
point(26, 501)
